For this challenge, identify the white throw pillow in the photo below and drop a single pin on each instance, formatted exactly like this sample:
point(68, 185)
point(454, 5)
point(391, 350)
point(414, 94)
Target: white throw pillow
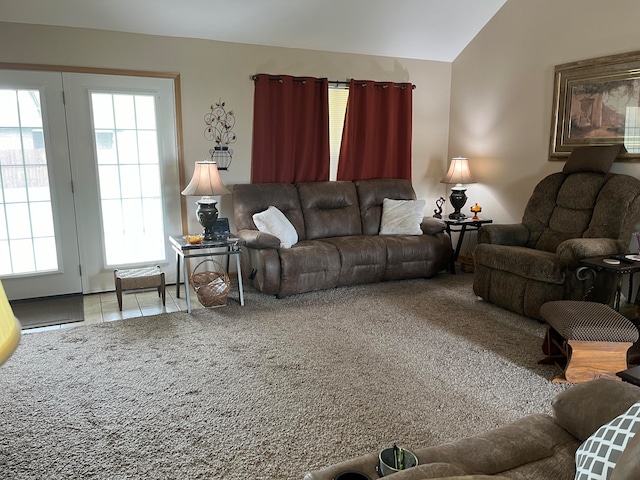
point(597, 456)
point(402, 217)
point(274, 222)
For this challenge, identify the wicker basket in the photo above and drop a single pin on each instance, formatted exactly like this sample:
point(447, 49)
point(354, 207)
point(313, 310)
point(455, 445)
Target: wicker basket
point(212, 287)
point(467, 262)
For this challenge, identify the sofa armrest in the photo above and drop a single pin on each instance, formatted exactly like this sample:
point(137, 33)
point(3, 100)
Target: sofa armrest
point(365, 463)
point(427, 471)
point(431, 471)
point(431, 225)
point(258, 239)
point(584, 408)
point(534, 438)
point(514, 234)
point(570, 252)
point(415, 473)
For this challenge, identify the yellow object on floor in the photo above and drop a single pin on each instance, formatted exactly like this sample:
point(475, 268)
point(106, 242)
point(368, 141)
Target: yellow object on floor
point(9, 328)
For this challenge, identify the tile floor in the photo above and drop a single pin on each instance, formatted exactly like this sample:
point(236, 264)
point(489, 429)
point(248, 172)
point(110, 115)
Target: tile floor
point(103, 307)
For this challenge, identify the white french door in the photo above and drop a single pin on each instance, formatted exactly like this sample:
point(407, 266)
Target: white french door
point(38, 241)
point(90, 187)
point(124, 153)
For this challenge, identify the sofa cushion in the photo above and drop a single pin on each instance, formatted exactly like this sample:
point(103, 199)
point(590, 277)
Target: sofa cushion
point(573, 211)
point(310, 265)
point(273, 222)
point(249, 199)
point(415, 256)
point(371, 194)
point(618, 196)
point(526, 262)
point(362, 258)
point(330, 209)
point(584, 408)
point(401, 217)
point(597, 456)
point(592, 158)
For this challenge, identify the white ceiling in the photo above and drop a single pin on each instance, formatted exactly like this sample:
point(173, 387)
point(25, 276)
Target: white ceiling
point(421, 29)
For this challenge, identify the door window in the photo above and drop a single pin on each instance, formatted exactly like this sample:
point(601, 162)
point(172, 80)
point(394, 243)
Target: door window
point(126, 140)
point(27, 234)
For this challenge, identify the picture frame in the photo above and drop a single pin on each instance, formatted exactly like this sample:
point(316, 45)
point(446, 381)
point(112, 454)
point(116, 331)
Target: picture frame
point(597, 102)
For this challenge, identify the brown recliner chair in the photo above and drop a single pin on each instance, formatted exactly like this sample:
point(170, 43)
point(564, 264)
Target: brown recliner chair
point(584, 211)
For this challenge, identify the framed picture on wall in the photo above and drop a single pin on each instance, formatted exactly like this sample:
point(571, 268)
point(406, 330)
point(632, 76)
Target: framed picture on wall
point(597, 102)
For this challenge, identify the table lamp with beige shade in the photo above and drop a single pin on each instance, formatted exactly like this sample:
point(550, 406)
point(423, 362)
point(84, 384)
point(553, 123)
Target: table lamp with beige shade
point(458, 174)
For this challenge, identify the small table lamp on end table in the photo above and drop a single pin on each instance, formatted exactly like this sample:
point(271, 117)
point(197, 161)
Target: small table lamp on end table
point(458, 173)
point(206, 181)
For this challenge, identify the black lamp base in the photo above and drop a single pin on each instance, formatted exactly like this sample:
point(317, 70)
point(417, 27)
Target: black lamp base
point(458, 198)
point(207, 214)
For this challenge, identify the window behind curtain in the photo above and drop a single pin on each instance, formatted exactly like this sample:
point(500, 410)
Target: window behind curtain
point(278, 140)
point(337, 108)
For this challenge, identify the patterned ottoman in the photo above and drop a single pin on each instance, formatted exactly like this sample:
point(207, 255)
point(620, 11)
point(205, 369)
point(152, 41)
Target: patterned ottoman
point(590, 340)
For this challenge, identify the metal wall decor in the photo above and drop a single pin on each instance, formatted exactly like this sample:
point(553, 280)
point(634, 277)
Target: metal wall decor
point(219, 128)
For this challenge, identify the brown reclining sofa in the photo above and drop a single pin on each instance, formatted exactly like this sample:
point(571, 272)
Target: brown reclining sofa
point(338, 242)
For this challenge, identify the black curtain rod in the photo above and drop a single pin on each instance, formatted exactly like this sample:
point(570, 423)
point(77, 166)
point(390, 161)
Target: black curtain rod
point(331, 82)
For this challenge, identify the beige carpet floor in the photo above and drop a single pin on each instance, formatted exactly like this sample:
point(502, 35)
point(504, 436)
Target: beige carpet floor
point(270, 390)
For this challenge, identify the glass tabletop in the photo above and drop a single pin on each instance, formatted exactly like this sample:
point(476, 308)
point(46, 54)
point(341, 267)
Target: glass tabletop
point(222, 241)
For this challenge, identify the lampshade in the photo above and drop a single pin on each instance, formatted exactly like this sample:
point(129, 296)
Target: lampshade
point(206, 181)
point(458, 172)
point(9, 328)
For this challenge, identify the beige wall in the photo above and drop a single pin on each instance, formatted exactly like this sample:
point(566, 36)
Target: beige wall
point(212, 70)
point(493, 104)
point(502, 84)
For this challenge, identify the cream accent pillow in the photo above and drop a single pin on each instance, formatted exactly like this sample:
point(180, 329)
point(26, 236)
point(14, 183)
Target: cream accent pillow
point(402, 217)
point(274, 222)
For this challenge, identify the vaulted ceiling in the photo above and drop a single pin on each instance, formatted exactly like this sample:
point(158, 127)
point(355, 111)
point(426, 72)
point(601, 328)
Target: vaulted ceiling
point(420, 29)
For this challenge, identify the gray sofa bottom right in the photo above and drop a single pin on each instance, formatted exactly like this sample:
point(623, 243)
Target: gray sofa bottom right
point(536, 447)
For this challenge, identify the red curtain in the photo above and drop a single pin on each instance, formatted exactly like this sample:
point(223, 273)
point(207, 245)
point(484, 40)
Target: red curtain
point(290, 129)
point(376, 139)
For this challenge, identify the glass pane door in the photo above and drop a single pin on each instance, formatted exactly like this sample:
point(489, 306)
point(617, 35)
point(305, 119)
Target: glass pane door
point(27, 236)
point(126, 140)
point(38, 247)
point(128, 187)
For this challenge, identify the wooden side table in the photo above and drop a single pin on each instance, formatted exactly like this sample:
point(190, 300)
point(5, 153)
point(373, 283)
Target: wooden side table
point(461, 227)
point(625, 267)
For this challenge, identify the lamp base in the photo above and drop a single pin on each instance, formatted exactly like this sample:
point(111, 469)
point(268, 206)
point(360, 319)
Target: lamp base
point(458, 198)
point(207, 214)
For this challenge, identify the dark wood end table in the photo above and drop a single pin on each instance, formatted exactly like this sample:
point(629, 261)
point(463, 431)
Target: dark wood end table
point(461, 227)
point(631, 375)
point(625, 267)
